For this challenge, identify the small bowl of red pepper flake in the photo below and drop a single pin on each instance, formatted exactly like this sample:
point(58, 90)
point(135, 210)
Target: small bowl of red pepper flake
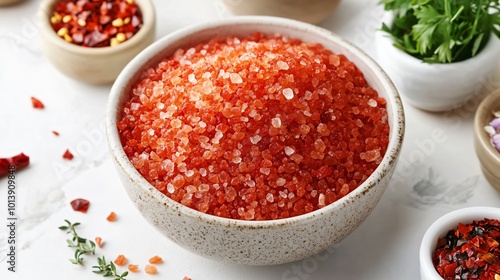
point(487, 137)
point(92, 41)
point(463, 244)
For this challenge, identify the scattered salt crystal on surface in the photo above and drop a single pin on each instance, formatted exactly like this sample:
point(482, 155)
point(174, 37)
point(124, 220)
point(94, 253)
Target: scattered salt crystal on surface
point(235, 78)
point(289, 151)
point(283, 65)
point(288, 93)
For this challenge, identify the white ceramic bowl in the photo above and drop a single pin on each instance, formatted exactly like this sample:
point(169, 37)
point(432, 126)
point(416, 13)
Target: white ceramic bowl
point(254, 242)
point(94, 65)
point(439, 229)
point(435, 87)
point(488, 156)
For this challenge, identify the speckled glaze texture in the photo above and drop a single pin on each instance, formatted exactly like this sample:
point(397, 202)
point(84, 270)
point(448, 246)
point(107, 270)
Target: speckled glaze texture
point(439, 229)
point(94, 65)
point(255, 242)
point(435, 87)
point(487, 155)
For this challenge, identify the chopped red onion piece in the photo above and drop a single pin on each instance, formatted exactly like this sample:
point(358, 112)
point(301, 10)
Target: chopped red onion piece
point(495, 123)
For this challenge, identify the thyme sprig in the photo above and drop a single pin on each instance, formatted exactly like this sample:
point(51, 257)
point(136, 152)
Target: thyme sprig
point(442, 31)
point(108, 269)
point(83, 246)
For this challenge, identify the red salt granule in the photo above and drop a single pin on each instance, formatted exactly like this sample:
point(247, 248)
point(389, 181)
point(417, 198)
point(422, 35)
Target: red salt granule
point(80, 204)
point(37, 104)
point(112, 217)
point(150, 269)
point(121, 260)
point(55, 133)
point(254, 128)
point(133, 267)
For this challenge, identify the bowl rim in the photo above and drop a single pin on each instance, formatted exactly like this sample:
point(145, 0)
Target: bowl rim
point(485, 109)
point(146, 56)
point(148, 16)
point(439, 228)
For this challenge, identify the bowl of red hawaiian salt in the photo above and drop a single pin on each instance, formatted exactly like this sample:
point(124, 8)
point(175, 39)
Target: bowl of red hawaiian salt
point(462, 244)
point(254, 140)
point(92, 41)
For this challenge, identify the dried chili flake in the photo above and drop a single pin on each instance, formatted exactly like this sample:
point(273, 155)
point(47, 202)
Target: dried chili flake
point(111, 217)
point(120, 260)
point(19, 161)
point(68, 155)
point(97, 23)
point(469, 252)
point(80, 204)
point(37, 103)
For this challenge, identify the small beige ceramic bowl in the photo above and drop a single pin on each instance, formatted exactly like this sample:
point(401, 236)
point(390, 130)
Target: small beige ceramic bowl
point(439, 229)
point(311, 11)
point(8, 2)
point(254, 242)
point(488, 156)
point(94, 65)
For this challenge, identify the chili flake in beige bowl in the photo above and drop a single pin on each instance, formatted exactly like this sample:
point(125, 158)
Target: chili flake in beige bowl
point(255, 140)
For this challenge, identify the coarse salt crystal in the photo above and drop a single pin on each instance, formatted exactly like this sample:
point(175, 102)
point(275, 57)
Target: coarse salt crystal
point(276, 122)
point(265, 171)
point(160, 105)
point(192, 79)
point(255, 139)
point(283, 65)
point(151, 132)
point(235, 78)
point(321, 200)
point(189, 173)
point(289, 151)
point(280, 182)
point(170, 188)
point(270, 197)
point(288, 93)
point(134, 106)
point(372, 102)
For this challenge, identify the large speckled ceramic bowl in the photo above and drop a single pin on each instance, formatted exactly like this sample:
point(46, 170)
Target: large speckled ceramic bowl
point(254, 242)
point(94, 65)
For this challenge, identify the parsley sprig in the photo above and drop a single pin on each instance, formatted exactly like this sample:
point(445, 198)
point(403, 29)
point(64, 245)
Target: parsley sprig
point(108, 269)
point(83, 246)
point(443, 31)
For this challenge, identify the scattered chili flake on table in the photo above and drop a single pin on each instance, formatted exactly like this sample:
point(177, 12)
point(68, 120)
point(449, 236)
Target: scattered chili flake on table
point(150, 269)
point(133, 267)
point(37, 103)
point(121, 260)
point(80, 204)
point(68, 155)
point(111, 217)
point(469, 251)
point(155, 260)
point(261, 127)
point(493, 129)
point(96, 23)
point(55, 133)
point(19, 161)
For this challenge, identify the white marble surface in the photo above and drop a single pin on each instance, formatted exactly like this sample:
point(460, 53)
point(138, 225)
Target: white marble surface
point(438, 170)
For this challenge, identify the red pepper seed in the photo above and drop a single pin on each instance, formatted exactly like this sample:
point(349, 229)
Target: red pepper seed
point(97, 23)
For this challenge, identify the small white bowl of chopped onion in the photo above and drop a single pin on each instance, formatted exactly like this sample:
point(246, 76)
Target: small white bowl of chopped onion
point(487, 137)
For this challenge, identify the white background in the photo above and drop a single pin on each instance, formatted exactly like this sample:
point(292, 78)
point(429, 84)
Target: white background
point(438, 170)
